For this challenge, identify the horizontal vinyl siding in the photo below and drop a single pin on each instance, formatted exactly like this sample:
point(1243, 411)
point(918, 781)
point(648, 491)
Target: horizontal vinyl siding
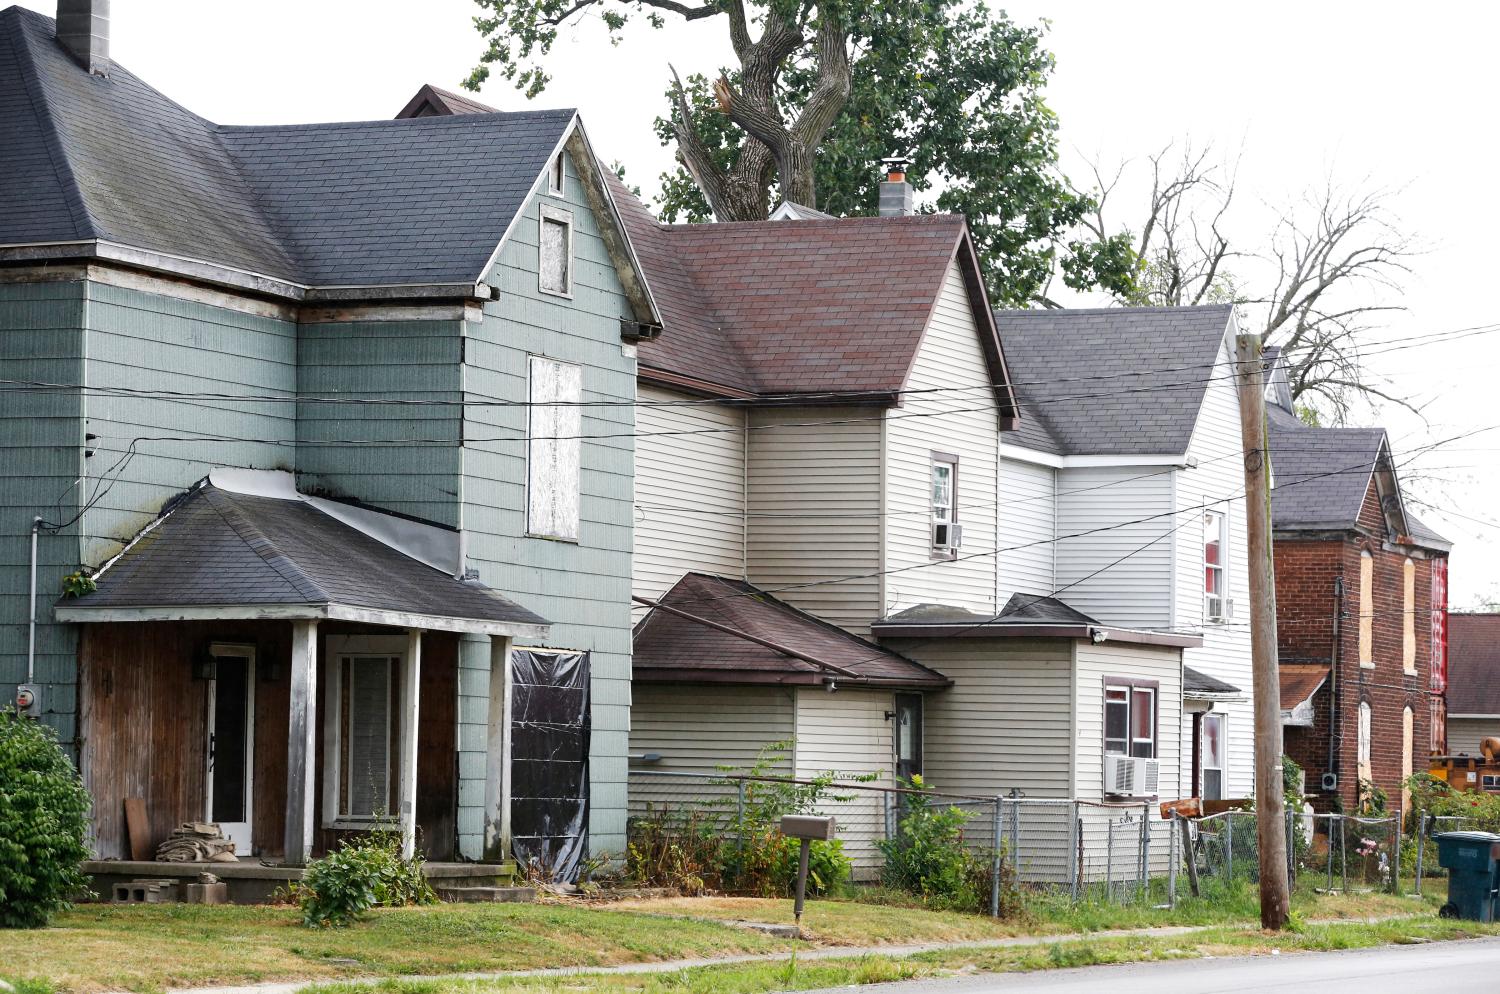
point(1118, 568)
point(689, 491)
point(848, 733)
point(1465, 734)
point(1219, 479)
point(815, 510)
point(1093, 663)
point(960, 422)
point(1028, 512)
point(1007, 720)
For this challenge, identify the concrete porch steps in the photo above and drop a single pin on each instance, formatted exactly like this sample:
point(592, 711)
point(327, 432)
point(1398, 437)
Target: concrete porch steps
point(501, 895)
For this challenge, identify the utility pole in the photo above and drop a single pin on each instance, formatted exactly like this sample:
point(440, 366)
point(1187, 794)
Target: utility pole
point(1270, 804)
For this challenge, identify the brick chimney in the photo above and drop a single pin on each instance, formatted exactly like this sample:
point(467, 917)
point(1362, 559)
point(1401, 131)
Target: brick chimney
point(83, 29)
point(895, 192)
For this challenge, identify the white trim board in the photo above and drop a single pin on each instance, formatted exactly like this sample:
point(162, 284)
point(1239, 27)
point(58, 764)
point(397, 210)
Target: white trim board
point(1017, 453)
point(300, 612)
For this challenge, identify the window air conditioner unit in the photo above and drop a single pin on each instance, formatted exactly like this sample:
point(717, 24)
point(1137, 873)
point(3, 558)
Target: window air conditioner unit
point(947, 535)
point(1219, 608)
point(1130, 776)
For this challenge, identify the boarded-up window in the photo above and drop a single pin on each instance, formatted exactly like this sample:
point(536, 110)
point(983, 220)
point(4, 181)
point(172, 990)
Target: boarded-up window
point(552, 460)
point(555, 174)
point(1364, 740)
point(555, 256)
point(1366, 609)
point(1409, 616)
point(1408, 736)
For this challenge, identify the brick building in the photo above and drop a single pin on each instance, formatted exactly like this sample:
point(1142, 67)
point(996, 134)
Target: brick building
point(1361, 610)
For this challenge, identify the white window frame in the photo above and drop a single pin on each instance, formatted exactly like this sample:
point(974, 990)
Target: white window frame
point(1222, 567)
point(950, 549)
point(1362, 746)
point(337, 650)
point(1223, 767)
point(554, 450)
point(556, 215)
point(1131, 688)
point(556, 174)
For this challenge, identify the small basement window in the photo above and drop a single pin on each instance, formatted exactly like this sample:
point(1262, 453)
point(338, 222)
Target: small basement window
point(555, 252)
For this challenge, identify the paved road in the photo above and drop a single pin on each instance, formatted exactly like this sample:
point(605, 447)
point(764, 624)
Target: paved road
point(1453, 967)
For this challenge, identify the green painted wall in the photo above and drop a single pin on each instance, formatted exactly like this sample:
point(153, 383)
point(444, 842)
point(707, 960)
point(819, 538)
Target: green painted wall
point(582, 587)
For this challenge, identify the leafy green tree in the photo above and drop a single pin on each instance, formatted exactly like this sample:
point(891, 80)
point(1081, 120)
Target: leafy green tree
point(827, 90)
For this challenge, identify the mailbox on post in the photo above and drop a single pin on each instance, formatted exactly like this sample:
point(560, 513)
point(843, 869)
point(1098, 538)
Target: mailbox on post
point(806, 828)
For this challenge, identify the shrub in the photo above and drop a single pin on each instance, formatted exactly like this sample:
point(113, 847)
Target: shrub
point(928, 858)
point(363, 873)
point(43, 823)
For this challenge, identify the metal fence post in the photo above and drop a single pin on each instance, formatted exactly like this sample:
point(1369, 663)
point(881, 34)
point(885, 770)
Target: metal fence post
point(1291, 849)
point(1015, 833)
point(1343, 854)
point(1421, 845)
point(1330, 853)
point(995, 865)
point(1075, 852)
point(1228, 845)
point(1142, 876)
point(1172, 863)
point(886, 809)
point(1396, 825)
point(1109, 862)
point(739, 814)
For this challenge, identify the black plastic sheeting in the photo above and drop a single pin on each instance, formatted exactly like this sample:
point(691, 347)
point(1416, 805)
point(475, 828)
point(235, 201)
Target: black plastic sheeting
point(549, 770)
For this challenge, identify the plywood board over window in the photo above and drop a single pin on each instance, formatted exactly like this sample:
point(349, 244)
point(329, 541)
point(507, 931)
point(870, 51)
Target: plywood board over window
point(1367, 609)
point(1409, 617)
point(555, 252)
point(553, 449)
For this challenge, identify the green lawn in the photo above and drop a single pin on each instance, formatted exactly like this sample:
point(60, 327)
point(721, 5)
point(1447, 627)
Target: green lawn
point(100, 947)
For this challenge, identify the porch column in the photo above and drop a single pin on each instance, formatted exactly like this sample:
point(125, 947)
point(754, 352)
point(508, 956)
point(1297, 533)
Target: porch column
point(497, 755)
point(406, 799)
point(300, 747)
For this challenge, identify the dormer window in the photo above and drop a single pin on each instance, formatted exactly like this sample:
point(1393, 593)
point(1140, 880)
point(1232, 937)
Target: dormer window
point(555, 252)
point(556, 172)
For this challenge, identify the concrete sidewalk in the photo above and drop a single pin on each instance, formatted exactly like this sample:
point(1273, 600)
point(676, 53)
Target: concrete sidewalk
point(668, 966)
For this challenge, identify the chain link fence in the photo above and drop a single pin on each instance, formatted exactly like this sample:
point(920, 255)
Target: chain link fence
point(1086, 850)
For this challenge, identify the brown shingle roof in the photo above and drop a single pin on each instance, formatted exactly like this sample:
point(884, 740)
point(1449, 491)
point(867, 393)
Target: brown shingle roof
point(671, 648)
point(1299, 681)
point(1474, 664)
point(802, 307)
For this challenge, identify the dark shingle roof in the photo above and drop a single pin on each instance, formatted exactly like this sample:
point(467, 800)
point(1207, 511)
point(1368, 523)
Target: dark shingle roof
point(434, 101)
point(1147, 410)
point(1021, 609)
point(217, 547)
point(383, 202)
point(1320, 475)
point(1196, 684)
point(1474, 664)
point(783, 307)
point(669, 647)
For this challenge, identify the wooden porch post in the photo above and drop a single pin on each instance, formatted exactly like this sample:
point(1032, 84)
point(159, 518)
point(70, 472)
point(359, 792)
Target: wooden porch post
point(300, 749)
point(497, 755)
point(406, 802)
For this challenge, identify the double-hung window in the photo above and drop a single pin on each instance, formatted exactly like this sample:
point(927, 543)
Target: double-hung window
point(1215, 544)
point(1211, 757)
point(946, 533)
point(553, 449)
point(1130, 718)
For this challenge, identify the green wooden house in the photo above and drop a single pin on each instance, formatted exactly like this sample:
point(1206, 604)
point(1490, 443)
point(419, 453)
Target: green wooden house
point(339, 418)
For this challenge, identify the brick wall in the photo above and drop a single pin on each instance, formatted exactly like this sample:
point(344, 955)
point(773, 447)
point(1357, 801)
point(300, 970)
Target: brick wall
point(1306, 573)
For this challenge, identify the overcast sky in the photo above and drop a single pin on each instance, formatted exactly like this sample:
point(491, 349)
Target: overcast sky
point(1397, 96)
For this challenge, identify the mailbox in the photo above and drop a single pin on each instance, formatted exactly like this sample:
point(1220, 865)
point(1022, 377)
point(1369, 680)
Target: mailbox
point(815, 827)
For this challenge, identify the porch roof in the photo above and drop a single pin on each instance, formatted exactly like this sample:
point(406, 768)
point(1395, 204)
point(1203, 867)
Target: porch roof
point(1299, 682)
point(267, 552)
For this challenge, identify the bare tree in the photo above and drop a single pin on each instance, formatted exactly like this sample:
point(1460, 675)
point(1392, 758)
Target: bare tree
point(1330, 270)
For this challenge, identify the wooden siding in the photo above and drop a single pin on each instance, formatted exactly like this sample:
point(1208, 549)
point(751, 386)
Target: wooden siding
point(417, 472)
point(41, 435)
point(1091, 665)
point(1007, 720)
point(1219, 478)
point(143, 729)
point(962, 423)
point(1028, 523)
point(1118, 568)
point(689, 491)
point(848, 733)
point(814, 505)
point(582, 587)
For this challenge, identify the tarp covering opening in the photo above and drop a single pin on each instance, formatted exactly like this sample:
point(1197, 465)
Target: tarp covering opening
point(549, 760)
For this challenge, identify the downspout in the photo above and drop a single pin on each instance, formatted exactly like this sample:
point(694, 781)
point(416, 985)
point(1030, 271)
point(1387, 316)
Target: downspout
point(1335, 740)
point(36, 526)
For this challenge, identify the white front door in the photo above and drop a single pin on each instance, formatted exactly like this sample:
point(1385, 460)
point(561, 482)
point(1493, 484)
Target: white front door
point(231, 742)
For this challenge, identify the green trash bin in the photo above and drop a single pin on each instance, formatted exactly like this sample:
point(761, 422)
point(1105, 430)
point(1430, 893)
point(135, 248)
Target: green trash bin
point(1472, 860)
